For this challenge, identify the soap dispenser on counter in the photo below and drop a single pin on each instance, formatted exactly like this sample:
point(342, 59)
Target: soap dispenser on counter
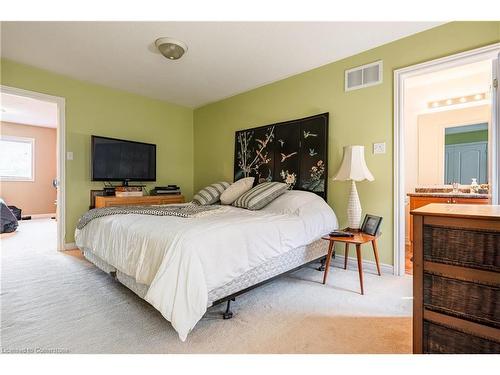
point(474, 187)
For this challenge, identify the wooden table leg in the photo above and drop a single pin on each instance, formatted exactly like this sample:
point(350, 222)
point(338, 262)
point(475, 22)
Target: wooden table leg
point(360, 266)
point(375, 252)
point(346, 254)
point(328, 260)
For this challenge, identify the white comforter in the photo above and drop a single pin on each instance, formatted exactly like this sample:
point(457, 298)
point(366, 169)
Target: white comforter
point(183, 259)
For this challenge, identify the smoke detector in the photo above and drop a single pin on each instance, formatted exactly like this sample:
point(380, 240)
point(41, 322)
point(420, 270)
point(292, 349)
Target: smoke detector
point(172, 49)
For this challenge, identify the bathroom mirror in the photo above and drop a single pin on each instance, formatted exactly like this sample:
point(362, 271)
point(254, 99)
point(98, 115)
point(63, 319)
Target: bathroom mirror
point(453, 146)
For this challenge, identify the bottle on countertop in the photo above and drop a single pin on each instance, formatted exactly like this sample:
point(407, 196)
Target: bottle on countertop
point(474, 187)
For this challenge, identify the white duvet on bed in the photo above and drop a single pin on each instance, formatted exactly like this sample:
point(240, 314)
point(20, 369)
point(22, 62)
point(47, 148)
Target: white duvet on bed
point(183, 259)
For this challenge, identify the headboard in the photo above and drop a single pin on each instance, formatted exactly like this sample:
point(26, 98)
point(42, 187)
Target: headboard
point(295, 152)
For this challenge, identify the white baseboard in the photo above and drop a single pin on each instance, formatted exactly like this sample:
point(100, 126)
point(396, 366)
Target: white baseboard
point(70, 246)
point(368, 265)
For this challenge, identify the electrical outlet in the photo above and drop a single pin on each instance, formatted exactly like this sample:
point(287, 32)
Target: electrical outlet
point(379, 148)
point(69, 155)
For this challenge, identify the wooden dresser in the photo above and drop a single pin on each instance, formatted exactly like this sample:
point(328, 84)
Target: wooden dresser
point(109, 201)
point(418, 200)
point(456, 279)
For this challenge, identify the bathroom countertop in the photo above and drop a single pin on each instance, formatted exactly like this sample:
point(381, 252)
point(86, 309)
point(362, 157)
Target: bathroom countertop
point(449, 195)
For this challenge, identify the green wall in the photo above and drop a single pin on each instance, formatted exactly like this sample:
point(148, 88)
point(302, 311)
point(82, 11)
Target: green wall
point(467, 137)
point(356, 117)
point(94, 109)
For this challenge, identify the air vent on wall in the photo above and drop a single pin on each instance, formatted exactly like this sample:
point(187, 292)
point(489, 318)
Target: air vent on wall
point(363, 76)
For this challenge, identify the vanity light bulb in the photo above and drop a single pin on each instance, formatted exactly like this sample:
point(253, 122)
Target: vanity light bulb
point(462, 100)
point(478, 97)
point(435, 104)
point(449, 101)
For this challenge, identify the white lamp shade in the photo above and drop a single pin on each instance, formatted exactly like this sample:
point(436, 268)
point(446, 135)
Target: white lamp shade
point(353, 165)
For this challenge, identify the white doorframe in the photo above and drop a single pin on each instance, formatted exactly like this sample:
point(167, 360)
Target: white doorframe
point(400, 75)
point(61, 153)
point(496, 130)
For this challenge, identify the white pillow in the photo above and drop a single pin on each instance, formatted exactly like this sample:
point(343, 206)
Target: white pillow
point(235, 190)
point(292, 201)
point(317, 216)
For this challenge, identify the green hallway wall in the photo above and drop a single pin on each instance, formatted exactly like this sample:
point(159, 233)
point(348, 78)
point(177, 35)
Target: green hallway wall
point(94, 109)
point(357, 117)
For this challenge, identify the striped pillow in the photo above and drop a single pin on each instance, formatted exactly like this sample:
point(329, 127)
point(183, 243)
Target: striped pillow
point(261, 195)
point(210, 194)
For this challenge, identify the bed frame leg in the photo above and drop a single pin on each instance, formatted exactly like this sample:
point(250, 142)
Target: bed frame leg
point(323, 262)
point(228, 313)
point(322, 265)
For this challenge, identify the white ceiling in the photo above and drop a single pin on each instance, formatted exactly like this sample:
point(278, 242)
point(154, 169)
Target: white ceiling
point(223, 58)
point(22, 110)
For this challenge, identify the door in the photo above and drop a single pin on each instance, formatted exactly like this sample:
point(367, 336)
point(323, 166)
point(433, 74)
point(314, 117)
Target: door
point(466, 161)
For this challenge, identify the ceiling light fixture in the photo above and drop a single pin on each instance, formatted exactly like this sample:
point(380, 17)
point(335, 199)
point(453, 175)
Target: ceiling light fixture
point(172, 49)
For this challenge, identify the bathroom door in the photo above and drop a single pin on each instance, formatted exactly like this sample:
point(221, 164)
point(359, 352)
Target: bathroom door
point(466, 161)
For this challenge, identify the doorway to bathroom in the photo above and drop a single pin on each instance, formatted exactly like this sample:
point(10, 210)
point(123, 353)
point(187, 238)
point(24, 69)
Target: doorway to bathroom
point(446, 137)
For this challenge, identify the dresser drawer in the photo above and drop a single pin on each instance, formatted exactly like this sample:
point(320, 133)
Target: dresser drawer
point(466, 300)
point(462, 247)
point(146, 200)
point(439, 339)
point(470, 201)
point(416, 202)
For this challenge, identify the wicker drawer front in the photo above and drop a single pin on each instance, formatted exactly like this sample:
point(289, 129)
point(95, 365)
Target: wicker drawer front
point(462, 247)
point(467, 300)
point(441, 339)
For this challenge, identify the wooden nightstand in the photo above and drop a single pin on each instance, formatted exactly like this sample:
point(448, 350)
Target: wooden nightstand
point(358, 240)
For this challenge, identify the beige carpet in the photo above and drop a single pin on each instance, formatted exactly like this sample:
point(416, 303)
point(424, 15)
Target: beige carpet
point(53, 300)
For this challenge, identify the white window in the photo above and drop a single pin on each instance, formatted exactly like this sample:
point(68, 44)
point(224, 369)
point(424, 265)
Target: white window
point(17, 159)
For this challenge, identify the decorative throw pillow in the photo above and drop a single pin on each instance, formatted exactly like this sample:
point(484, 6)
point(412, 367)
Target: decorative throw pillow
point(237, 189)
point(210, 194)
point(261, 195)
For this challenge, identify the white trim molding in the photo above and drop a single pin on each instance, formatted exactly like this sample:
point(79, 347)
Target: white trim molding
point(61, 152)
point(400, 75)
point(495, 149)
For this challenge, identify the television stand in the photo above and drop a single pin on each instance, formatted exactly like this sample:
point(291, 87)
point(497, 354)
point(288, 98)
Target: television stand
point(147, 200)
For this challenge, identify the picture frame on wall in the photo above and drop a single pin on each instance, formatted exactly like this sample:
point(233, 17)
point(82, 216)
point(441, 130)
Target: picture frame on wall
point(371, 224)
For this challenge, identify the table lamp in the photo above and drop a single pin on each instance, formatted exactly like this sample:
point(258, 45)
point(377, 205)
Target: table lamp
point(353, 168)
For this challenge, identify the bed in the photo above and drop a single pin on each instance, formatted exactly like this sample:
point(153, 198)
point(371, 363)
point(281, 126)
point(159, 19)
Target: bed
point(182, 266)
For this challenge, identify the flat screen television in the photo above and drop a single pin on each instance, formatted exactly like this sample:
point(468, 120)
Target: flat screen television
point(122, 160)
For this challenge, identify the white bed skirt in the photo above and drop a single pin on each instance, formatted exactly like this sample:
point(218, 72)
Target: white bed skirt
point(274, 267)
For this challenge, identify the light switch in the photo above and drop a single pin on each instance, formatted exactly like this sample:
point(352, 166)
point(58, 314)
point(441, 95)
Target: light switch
point(379, 148)
point(69, 155)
